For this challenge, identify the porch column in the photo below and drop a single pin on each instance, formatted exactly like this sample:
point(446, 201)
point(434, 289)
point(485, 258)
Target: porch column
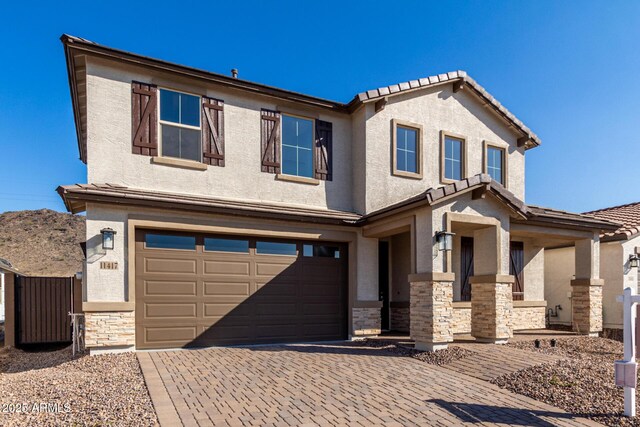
point(431, 319)
point(586, 288)
point(491, 289)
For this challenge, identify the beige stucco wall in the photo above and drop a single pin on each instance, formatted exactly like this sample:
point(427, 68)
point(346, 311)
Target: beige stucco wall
point(614, 270)
point(559, 270)
point(361, 142)
point(533, 271)
point(109, 145)
point(436, 109)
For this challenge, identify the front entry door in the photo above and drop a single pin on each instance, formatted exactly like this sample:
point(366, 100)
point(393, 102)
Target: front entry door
point(466, 267)
point(383, 281)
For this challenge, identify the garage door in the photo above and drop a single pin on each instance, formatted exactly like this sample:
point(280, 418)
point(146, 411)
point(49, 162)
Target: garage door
point(199, 290)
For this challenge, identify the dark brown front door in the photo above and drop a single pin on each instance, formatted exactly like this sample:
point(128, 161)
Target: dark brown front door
point(466, 267)
point(516, 268)
point(199, 290)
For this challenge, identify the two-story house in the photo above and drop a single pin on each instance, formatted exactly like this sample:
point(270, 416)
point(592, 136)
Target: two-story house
point(221, 211)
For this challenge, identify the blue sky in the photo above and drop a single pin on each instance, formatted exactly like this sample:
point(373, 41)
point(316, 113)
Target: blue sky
point(568, 69)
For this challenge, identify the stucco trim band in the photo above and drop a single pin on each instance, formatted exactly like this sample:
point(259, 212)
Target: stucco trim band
point(492, 278)
point(108, 306)
point(432, 276)
point(367, 304)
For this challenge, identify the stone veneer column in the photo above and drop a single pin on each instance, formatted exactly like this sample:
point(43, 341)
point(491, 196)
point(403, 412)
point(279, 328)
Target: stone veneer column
point(586, 305)
point(431, 310)
point(492, 308)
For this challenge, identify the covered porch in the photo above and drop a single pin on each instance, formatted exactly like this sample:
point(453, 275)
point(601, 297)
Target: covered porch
point(487, 279)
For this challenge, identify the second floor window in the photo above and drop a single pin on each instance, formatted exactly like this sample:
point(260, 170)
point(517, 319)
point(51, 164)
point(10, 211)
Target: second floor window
point(297, 146)
point(453, 158)
point(180, 125)
point(495, 164)
point(406, 149)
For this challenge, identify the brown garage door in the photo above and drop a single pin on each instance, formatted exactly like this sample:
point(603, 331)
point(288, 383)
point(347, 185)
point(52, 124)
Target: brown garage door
point(198, 290)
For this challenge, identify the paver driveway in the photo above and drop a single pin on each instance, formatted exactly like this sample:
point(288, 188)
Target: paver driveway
point(335, 384)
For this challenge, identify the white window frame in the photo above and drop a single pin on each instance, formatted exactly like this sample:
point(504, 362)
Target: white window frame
point(313, 151)
point(178, 125)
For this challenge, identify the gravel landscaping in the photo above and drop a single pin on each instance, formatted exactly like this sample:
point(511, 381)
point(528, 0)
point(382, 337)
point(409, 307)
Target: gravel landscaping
point(53, 388)
point(440, 357)
point(583, 383)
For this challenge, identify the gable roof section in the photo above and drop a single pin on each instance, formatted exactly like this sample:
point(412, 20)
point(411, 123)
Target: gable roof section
point(484, 184)
point(76, 47)
point(628, 215)
point(461, 80)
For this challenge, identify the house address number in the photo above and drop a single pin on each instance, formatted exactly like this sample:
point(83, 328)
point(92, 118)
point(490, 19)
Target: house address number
point(108, 265)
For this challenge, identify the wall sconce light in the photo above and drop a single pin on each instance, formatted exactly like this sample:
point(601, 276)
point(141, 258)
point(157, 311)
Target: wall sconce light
point(445, 240)
point(633, 261)
point(108, 237)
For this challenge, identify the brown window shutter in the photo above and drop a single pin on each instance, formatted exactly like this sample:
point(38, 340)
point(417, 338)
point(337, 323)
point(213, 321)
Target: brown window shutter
point(270, 141)
point(516, 269)
point(213, 131)
point(323, 154)
point(144, 118)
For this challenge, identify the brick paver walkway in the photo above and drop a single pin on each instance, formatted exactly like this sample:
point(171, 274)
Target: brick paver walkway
point(293, 385)
point(493, 361)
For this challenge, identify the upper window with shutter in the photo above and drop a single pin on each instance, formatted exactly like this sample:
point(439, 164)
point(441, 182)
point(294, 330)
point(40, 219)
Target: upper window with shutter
point(180, 130)
point(296, 146)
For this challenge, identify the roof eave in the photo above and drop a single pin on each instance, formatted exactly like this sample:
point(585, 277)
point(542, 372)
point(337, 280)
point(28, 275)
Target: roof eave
point(75, 202)
point(73, 90)
point(72, 42)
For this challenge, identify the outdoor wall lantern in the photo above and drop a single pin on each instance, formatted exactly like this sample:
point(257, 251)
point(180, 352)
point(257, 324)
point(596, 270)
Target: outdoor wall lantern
point(633, 261)
point(445, 240)
point(108, 237)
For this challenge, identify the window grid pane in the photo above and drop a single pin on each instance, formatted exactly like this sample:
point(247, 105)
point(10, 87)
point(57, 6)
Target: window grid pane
point(297, 146)
point(453, 158)
point(406, 150)
point(494, 163)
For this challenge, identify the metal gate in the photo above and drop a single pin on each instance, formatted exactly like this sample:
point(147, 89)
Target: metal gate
point(43, 305)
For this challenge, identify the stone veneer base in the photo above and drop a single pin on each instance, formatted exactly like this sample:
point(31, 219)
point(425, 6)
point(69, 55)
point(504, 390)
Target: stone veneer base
point(366, 321)
point(112, 329)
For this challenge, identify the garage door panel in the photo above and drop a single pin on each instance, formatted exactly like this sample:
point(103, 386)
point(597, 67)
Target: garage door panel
point(170, 310)
point(230, 289)
point(230, 309)
point(170, 266)
point(276, 287)
point(321, 289)
point(227, 268)
point(280, 270)
point(276, 309)
point(199, 298)
point(169, 288)
point(331, 308)
point(170, 334)
point(276, 332)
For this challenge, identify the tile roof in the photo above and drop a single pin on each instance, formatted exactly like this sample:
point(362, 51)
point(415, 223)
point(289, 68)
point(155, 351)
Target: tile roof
point(76, 196)
point(627, 215)
point(449, 77)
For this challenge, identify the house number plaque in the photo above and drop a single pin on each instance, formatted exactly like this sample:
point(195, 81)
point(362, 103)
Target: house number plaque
point(108, 265)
